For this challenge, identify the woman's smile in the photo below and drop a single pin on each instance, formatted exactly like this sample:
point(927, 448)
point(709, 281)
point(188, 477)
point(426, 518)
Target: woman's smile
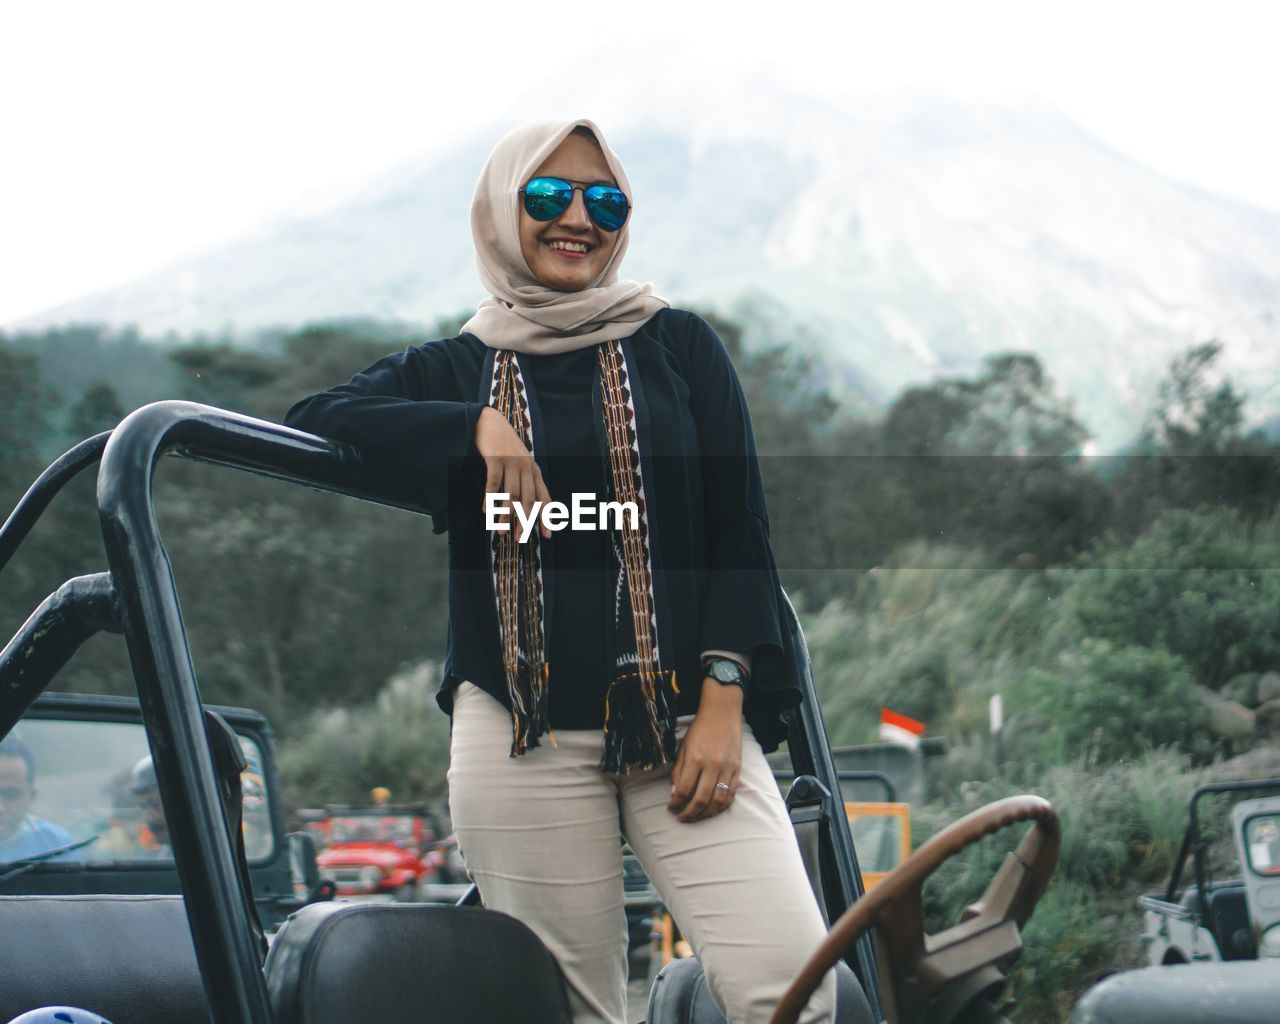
point(568, 247)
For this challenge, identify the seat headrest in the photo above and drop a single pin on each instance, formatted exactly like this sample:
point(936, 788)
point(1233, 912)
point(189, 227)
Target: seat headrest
point(334, 963)
point(680, 996)
point(127, 958)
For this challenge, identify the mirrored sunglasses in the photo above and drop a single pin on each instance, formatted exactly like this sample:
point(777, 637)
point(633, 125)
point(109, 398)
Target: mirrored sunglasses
point(547, 198)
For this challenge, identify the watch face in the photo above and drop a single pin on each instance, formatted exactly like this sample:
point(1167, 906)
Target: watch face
point(726, 671)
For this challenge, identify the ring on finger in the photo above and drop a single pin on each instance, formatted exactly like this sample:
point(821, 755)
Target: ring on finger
point(723, 785)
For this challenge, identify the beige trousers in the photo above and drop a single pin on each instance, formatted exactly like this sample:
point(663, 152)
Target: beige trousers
point(541, 836)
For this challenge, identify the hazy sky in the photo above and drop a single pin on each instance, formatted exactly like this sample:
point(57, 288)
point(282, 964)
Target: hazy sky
point(137, 131)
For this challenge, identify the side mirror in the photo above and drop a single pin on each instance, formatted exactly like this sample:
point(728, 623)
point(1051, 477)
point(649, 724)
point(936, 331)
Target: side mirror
point(302, 860)
point(308, 886)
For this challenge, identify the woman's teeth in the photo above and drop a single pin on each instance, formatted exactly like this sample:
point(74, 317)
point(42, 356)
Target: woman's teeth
point(569, 246)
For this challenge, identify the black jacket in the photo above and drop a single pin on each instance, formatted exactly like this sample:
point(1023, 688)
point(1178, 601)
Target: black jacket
point(414, 414)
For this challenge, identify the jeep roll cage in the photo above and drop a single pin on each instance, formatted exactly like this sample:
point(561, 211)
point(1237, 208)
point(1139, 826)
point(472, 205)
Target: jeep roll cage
point(1192, 841)
point(137, 596)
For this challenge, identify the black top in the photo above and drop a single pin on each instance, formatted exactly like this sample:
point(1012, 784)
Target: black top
point(415, 413)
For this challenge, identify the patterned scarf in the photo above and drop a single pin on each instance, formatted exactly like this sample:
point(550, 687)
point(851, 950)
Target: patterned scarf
point(639, 723)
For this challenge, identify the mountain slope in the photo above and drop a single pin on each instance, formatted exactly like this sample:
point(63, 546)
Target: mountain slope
point(905, 236)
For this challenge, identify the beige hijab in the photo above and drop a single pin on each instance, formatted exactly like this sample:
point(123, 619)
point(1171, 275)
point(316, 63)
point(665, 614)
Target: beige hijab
point(521, 313)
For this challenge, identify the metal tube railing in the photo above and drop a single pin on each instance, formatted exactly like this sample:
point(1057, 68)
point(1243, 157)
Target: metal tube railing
point(65, 619)
point(811, 755)
point(1191, 841)
point(168, 691)
point(162, 666)
point(47, 485)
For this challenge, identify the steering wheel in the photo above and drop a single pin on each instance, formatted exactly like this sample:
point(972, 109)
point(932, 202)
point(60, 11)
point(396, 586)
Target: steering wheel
point(963, 959)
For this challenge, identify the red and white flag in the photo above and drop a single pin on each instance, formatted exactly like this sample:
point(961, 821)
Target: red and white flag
point(899, 729)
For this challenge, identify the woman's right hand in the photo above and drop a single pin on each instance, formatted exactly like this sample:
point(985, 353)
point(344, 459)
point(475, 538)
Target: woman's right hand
point(509, 468)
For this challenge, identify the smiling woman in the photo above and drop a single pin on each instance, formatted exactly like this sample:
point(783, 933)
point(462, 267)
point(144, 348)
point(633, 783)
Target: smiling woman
point(602, 683)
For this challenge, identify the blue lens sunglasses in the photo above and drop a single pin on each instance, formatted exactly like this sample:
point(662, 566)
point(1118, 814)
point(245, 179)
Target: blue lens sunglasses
point(547, 198)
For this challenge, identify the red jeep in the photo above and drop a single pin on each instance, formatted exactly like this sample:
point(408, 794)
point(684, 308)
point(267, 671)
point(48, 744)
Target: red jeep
point(387, 850)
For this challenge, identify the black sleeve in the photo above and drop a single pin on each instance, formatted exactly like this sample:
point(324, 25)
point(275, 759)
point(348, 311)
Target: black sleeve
point(405, 413)
point(742, 611)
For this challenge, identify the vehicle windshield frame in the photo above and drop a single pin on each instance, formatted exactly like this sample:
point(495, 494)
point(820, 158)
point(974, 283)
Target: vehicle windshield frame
point(93, 708)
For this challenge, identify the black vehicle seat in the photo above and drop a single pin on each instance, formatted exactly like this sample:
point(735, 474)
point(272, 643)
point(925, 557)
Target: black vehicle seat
point(1228, 918)
point(126, 958)
point(680, 996)
point(335, 963)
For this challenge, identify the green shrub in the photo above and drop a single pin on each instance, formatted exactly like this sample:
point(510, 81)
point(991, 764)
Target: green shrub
point(1064, 951)
point(1105, 702)
point(931, 633)
point(1200, 584)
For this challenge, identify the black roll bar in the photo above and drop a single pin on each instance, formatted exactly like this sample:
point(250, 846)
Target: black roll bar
point(162, 666)
point(64, 620)
point(143, 603)
point(808, 758)
point(1191, 842)
point(32, 504)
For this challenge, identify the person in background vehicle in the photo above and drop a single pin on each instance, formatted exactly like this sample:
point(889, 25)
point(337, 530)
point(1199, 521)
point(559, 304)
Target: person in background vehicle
point(22, 834)
point(153, 837)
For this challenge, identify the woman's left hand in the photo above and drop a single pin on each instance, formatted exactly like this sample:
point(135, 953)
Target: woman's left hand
point(710, 752)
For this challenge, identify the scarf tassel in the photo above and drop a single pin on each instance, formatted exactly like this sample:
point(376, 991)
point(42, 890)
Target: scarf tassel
point(530, 725)
point(640, 722)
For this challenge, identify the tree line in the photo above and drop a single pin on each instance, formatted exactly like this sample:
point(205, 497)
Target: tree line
point(297, 600)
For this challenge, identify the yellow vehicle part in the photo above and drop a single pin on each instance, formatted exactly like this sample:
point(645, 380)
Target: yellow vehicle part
point(881, 835)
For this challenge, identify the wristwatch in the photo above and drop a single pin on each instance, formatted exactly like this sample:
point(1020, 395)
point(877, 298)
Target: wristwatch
point(726, 671)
